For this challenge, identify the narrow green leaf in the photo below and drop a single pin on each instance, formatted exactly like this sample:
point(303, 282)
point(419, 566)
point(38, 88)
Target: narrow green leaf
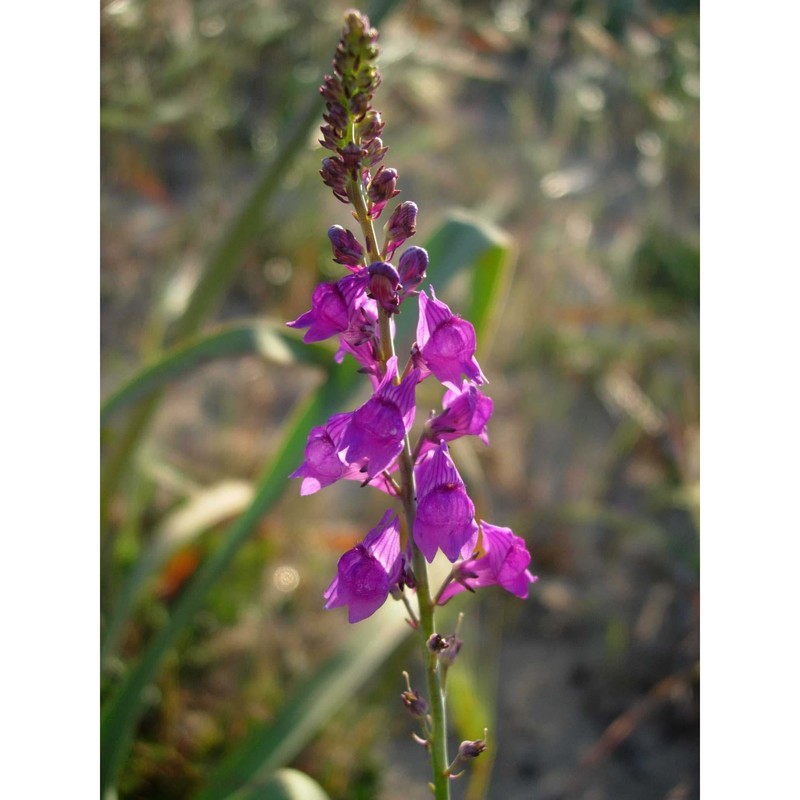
point(204, 509)
point(283, 784)
point(267, 338)
point(472, 687)
point(471, 263)
point(337, 681)
point(124, 709)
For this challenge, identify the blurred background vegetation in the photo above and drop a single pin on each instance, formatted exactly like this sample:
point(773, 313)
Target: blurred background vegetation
point(572, 127)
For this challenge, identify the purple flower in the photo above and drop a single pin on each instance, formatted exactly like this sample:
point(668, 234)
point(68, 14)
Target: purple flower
point(377, 429)
point(366, 573)
point(466, 413)
point(347, 250)
point(445, 515)
point(446, 343)
point(334, 308)
point(323, 465)
point(503, 561)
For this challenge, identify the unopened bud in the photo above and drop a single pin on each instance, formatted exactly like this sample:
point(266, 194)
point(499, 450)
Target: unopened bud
point(381, 190)
point(401, 225)
point(347, 250)
point(375, 152)
point(351, 155)
point(370, 127)
point(384, 285)
point(412, 267)
point(334, 174)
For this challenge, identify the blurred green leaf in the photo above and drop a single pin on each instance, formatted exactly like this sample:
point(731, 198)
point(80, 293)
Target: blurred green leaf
point(284, 784)
point(335, 683)
point(124, 709)
point(204, 509)
point(269, 339)
point(471, 263)
point(472, 687)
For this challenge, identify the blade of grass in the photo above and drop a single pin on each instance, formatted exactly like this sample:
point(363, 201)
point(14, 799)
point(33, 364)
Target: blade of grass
point(486, 252)
point(204, 509)
point(313, 704)
point(270, 339)
point(471, 263)
point(124, 709)
point(284, 784)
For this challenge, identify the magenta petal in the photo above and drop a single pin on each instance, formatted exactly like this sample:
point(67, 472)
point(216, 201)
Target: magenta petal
point(334, 307)
point(323, 465)
point(504, 563)
point(445, 513)
point(446, 343)
point(466, 412)
point(366, 573)
point(328, 314)
point(445, 521)
point(378, 428)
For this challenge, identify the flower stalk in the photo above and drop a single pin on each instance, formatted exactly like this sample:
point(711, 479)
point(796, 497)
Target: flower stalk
point(372, 444)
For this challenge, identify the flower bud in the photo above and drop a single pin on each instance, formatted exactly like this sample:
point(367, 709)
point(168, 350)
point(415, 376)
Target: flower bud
point(334, 174)
point(370, 127)
point(351, 155)
point(401, 225)
point(347, 250)
point(375, 151)
point(412, 267)
point(337, 117)
point(383, 286)
point(381, 190)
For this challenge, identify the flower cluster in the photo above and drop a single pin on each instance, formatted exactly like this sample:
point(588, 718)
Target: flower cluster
point(371, 444)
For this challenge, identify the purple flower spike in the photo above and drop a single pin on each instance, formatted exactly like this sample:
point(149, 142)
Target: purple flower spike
point(347, 250)
point(503, 561)
point(366, 574)
point(446, 343)
point(445, 515)
point(401, 226)
point(378, 428)
point(412, 267)
point(384, 285)
point(334, 308)
point(466, 413)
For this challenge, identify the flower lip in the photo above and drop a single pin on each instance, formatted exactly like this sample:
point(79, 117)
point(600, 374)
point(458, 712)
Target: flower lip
point(502, 560)
point(445, 518)
point(446, 343)
point(367, 572)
